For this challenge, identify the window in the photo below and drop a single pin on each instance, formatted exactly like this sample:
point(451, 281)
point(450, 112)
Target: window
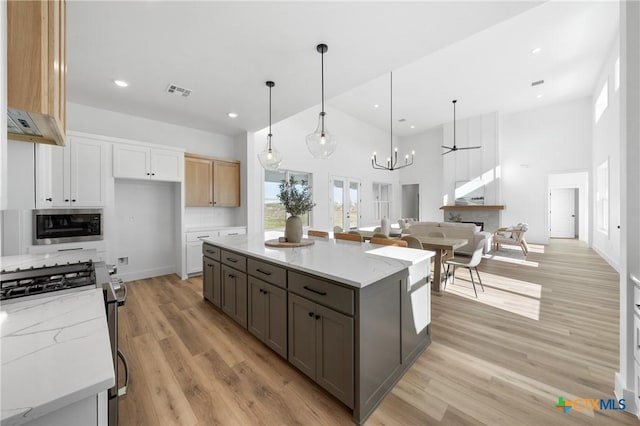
point(602, 197)
point(602, 102)
point(274, 214)
point(616, 75)
point(381, 200)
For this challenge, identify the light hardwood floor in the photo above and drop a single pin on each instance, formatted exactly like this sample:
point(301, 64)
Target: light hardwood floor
point(543, 328)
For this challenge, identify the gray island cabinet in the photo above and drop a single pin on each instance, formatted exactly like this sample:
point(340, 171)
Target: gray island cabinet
point(352, 317)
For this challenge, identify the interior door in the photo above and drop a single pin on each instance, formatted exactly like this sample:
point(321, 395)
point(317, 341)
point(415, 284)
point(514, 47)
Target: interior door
point(562, 213)
point(345, 208)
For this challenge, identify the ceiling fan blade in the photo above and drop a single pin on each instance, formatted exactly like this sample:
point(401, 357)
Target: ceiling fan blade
point(471, 147)
point(444, 153)
point(446, 147)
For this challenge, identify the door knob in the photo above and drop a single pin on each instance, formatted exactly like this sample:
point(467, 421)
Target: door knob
point(48, 199)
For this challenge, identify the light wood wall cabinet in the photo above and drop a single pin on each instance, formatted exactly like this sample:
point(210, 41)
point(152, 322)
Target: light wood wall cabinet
point(71, 176)
point(141, 162)
point(36, 70)
point(211, 182)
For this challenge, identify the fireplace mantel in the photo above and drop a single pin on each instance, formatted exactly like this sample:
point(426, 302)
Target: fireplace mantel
point(476, 208)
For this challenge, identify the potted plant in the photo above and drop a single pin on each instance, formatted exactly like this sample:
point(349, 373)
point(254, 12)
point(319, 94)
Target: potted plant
point(296, 198)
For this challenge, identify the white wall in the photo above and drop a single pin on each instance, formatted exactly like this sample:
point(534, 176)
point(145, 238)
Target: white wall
point(352, 159)
point(534, 144)
point(426, 171)
point(98, 121)
point(145, 215)
point(606, 146)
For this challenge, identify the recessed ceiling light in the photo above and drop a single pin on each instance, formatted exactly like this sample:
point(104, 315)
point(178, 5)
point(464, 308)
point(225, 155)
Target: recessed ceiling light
point(232, 115)
point(413, 127)
point(536, 50)
point(539, 96)
point(120, 83)
point(376, 106)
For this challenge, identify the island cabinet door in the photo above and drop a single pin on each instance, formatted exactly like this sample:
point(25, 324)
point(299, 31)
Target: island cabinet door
point(234, 294)
point(207, 278)
point(257, 314)
point(302, 335)
point(276, 324)
point(335, 353)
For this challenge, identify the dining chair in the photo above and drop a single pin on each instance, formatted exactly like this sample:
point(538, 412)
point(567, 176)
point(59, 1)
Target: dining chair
point(338, 229)
point(379, 235)
point(412, 242)
point(469, 263)
point(355, 233)
point(348, 237)
point(320, 234)
point(389, 242)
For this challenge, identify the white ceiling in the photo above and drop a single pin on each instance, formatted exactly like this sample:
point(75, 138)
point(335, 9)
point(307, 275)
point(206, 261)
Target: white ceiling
point(225, 51)
point(493, 69)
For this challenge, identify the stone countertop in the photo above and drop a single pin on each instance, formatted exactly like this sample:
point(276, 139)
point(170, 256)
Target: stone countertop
point(348, 262)
point(26, 261)
point(213, 228)
point(55, 351)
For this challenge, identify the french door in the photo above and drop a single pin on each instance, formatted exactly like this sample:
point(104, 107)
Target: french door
point(345, 207)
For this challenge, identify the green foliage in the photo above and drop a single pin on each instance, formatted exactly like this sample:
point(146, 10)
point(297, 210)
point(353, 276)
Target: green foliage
point(296, 197)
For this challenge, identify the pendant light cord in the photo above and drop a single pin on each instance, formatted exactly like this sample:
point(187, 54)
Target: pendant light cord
point(391, 121)
point(322, 85)
point(270, 118)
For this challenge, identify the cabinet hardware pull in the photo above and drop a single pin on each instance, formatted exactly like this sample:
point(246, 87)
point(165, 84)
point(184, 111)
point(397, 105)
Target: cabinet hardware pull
point(48, 199)
point(71, 249)
point(311, 314)
point(265, 291)
point(260, 290)
point(317, 317)
point(73, 201)
point(231, 259)
point(210, 251)
point(203, 236)
point(153, 174)
point(263, 272)
point(321, 293)
point(210, 202)
point(232, 276)
point(66, 200)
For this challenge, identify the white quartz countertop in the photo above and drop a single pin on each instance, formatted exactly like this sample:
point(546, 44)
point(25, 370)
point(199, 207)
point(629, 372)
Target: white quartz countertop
point(348, 262)
point(55, 351)
point(26, 261)
point(213, 228)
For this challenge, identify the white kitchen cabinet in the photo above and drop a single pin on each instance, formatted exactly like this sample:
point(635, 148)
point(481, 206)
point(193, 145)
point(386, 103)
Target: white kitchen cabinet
point(194, 244)
point(141, 162)
point(86, 412)
point(73, 175)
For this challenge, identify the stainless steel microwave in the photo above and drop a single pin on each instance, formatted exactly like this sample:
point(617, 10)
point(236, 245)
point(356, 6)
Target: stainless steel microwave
point(57, 226)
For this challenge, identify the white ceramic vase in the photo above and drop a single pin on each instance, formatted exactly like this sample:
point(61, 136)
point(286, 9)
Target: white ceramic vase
point(384, 226)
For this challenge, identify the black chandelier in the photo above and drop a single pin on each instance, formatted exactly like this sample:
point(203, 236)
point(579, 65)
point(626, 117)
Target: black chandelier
point(392, 160)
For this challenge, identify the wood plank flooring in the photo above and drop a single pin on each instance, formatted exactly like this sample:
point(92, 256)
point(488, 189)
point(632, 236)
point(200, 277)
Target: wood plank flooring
point(543, 328)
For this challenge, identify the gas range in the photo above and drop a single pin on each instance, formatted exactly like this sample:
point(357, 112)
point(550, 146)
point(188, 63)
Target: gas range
point(36, 281)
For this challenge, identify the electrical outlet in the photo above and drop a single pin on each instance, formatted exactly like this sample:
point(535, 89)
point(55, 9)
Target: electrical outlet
point(123, 261)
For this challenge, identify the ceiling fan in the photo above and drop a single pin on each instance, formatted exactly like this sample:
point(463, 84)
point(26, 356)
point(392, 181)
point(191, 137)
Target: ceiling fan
point(454, 147)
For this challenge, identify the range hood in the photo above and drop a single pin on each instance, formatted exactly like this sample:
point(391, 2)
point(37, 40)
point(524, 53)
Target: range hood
point(33, 127)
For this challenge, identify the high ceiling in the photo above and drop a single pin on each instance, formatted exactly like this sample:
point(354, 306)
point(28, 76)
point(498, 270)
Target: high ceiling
point(225, 51)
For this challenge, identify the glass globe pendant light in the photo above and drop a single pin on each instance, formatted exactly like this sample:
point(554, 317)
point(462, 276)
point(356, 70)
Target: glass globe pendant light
point(270, 158)
point(321, 143)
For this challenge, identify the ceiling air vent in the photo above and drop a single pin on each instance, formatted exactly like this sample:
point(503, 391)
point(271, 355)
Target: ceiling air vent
point(537, 83)
point(174, 89)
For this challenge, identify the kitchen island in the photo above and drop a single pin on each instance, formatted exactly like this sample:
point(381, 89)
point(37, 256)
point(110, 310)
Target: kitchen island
point(353, 317)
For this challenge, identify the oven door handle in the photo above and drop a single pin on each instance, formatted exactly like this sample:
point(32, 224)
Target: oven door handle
point(122, 299)
point(123, 390)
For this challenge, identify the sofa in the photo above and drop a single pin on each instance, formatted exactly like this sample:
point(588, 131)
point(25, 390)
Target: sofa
point(468, 231)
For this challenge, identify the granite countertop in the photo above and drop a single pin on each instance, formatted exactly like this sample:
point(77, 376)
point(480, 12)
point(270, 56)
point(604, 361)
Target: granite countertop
point(25, 261)
point(348, 262)
point(55, 351)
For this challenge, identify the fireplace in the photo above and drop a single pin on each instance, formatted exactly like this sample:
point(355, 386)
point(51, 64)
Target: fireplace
point(480, 224)
point(487, 217)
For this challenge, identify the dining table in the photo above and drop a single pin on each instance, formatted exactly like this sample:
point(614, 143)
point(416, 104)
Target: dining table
point(444, 248)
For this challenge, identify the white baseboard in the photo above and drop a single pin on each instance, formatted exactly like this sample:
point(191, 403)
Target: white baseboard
point(147, 273)
point(615, 265)
point(627, 394)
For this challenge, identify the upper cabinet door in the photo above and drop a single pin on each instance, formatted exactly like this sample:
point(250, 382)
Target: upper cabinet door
point(131, 161)
point(198, 181)
point(60, 176)
point(226, 184)
point(88, 172)
point(166, 165)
